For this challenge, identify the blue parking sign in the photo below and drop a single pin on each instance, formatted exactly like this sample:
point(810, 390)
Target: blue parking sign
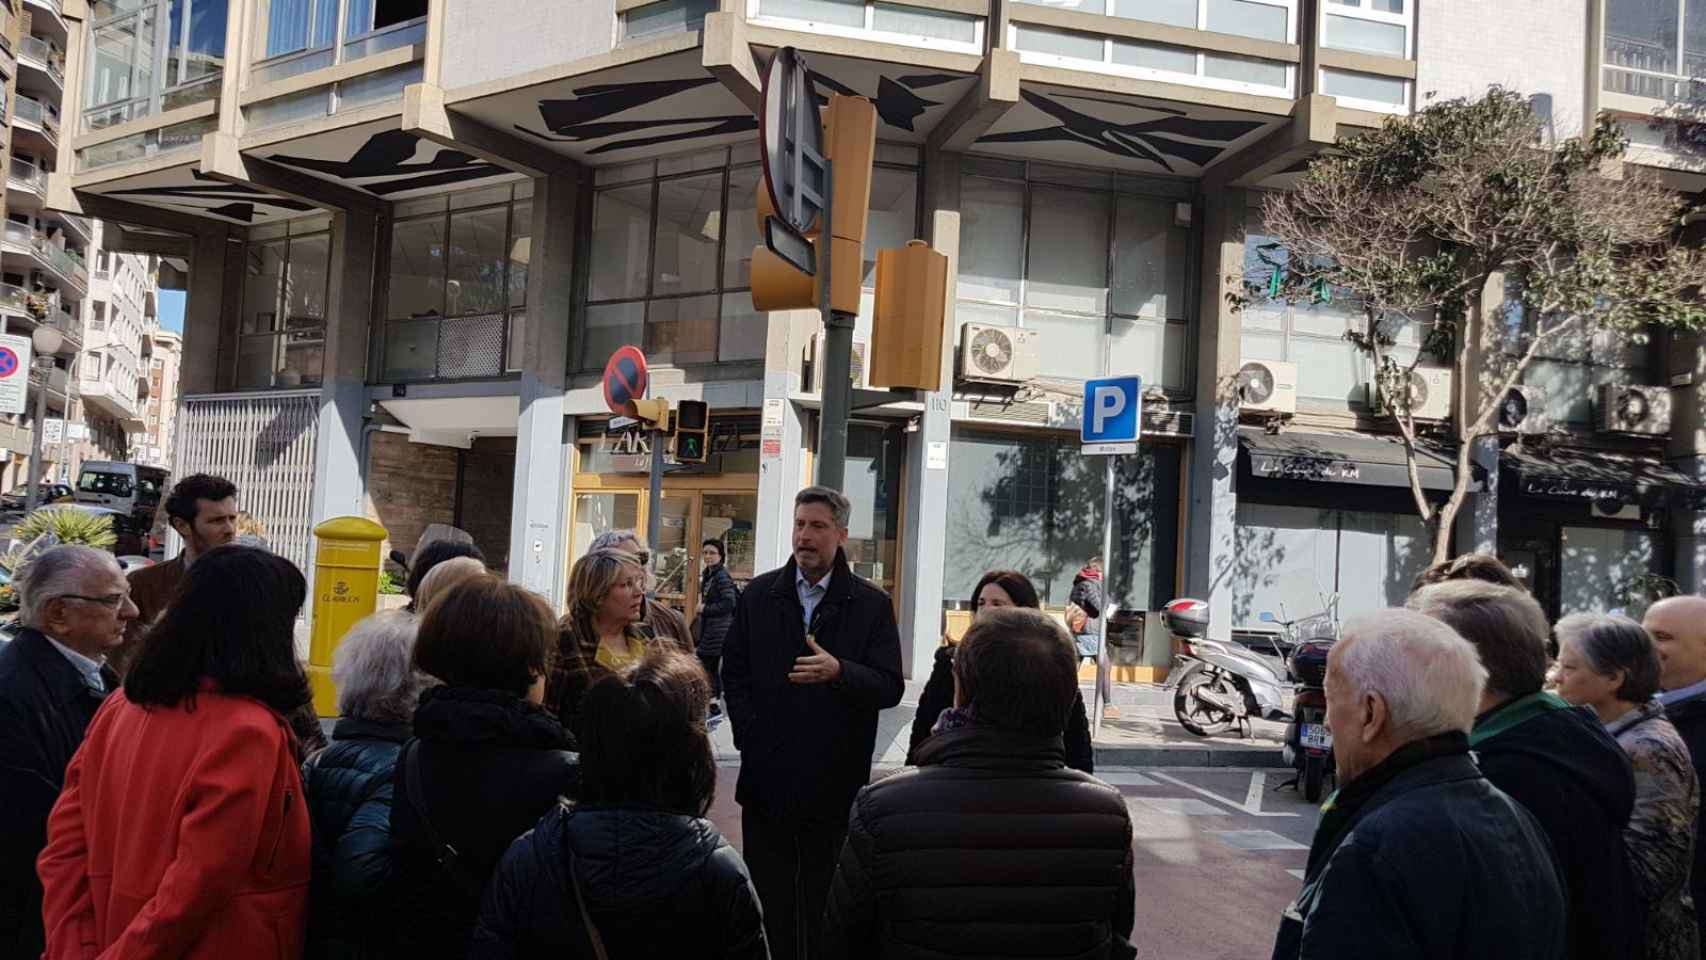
point(1112, 408)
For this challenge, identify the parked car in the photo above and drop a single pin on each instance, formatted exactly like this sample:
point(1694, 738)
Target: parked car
point(15, 501)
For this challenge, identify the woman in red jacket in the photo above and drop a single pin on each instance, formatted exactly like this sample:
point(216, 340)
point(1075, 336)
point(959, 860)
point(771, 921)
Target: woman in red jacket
point(182, 830)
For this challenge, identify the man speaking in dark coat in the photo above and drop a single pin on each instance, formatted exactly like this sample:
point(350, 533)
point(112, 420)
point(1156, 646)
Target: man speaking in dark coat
point(812, 657)
point(53, 677)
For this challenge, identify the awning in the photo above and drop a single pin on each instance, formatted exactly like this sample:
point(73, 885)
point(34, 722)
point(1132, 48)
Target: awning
point(1344, 457)
point(1601, 475)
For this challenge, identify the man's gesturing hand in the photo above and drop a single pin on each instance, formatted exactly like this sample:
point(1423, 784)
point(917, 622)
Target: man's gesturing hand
point(820, 667)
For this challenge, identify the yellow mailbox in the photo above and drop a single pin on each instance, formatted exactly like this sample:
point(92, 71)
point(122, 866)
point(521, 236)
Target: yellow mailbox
point(346, 589)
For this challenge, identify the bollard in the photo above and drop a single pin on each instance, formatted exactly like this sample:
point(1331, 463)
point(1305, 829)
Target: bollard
point(346, 589)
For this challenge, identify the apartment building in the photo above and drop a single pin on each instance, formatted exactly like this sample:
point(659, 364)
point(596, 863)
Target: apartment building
point(162, 355)
point(439, 218)
point(113, 379)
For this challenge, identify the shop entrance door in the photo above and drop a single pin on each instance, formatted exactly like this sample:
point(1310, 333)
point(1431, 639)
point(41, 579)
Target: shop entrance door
point(691, 514)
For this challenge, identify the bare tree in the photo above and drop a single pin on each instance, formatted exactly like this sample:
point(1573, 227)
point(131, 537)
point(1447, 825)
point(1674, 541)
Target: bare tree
point(1417, 221)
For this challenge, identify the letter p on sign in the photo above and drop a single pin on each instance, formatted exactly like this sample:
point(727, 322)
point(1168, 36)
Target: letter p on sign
point(1112, 409)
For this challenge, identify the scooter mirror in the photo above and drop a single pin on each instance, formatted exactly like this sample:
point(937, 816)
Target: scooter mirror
point(1267, 616)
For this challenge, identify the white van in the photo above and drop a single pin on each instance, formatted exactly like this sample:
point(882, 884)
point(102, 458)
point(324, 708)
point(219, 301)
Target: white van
point(129, 488)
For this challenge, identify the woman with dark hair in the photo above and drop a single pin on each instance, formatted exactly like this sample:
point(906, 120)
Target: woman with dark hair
point(633, 869)
point(486, 763)
point(182, 831)
point(1610, 664)
point(997, 589)
point(717, 598)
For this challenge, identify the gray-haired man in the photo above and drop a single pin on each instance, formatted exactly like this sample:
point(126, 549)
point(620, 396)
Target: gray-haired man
point(53, 677)
point(661, 617)
point(812, 657)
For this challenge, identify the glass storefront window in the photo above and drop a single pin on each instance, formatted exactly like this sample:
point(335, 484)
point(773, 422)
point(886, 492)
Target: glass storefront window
point(1599, 565)
point(1031, 502)
point(282, 331)
point(1291, 560)
point(671, 257)
point(874, 455)
point(1038, 256)
point(457, 288)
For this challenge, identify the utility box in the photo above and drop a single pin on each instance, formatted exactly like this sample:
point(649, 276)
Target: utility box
point(906, 330)
point(346, 590)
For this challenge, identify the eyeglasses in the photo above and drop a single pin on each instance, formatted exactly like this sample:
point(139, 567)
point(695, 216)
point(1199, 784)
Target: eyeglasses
point(111, 601)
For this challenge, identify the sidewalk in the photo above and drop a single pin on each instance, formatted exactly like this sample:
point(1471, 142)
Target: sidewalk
point(1146, 734)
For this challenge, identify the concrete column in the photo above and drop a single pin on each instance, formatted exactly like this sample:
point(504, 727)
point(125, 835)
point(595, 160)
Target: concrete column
point(1477, 529)
point(538, 544)
point(204, 313)
point(782, 447)
point(927, 448)
point(1686, 364)
point(1211, 537)
point(338, 487)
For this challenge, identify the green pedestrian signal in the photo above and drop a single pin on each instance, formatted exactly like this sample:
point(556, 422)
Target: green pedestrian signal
point(692, 431)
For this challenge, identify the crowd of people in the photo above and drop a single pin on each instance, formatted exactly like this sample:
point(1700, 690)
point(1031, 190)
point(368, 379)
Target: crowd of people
point(502, 783)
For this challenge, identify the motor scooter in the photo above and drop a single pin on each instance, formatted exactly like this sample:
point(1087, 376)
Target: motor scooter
point(1308, 743)
point(1216, 684)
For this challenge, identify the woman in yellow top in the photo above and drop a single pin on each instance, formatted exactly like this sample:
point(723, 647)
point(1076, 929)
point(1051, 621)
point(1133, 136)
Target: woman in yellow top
point(601, 633)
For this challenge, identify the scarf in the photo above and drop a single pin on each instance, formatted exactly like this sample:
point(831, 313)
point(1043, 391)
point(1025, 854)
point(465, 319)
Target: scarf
point(1509, 716)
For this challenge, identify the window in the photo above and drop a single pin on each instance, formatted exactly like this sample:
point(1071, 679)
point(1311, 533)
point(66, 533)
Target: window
point(1257, 19)
point(1103, 272)
point(1599, 564)
point(665, 17)
point(457, 297)
point(934, 28)
point(1311, 332)
point(130, 38)
point(1291, 560)
point(1030, 501)
point(282, 331)
point(297, 36)
point(672, 256)
point(1571, 365)
point(1655, 49)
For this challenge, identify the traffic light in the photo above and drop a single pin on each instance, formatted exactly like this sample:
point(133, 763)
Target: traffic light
point(692, 431)
point(654, 411)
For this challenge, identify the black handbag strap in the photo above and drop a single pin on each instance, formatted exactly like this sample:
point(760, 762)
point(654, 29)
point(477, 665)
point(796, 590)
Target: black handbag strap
point(445, 856)
point(592, 935)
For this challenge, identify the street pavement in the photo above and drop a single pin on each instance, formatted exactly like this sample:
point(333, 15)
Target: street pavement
point(1218, 853)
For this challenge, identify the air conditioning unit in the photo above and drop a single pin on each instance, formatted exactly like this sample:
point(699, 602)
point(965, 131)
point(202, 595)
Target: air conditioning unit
point(1267, 386)
point(1634, 409)
point(1523, 410)
point(1616, 510)
point(1430, 393)
point(814, 358)
point(997, 354)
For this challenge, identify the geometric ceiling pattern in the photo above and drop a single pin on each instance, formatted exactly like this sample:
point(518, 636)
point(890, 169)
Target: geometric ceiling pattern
point(382, 160)
point(1071, 125)
point(185, 189)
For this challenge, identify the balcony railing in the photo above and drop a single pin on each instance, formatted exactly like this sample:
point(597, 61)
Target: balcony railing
point(32, 177)
point(68, 264)
point(49, 56)
point(33, 111)
point(1643, 68)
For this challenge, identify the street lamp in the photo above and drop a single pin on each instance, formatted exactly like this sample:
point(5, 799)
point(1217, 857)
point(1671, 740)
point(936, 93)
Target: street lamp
point(46, 340)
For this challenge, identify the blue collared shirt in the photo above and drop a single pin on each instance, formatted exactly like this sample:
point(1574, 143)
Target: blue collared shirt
point(811, 594)
point(89, 669)
point(1683, 693)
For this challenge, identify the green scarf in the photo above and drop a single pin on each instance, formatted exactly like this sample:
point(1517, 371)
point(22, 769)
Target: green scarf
point(1514, 714)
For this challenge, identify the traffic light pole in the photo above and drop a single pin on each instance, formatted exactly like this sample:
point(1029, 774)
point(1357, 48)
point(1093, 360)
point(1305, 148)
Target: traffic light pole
point(654, 503)
point(837, 376)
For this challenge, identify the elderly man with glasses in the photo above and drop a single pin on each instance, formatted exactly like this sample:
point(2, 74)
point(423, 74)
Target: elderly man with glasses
point(53, 677)
point(662, 618)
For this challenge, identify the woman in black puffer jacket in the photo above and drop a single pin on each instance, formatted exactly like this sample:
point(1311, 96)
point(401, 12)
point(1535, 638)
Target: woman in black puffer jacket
point(634, 864)
point(998, 588)
point(717, 598)
point(349, 787)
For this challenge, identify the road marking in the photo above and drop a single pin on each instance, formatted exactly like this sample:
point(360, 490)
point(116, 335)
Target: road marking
point(1255, 811)
point(1256, 840)
point(1253, 796)
point(1296, 873)
point(1127, 780)
point(1180, 806)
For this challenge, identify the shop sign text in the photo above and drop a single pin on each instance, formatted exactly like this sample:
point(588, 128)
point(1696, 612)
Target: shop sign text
point(1306, 468)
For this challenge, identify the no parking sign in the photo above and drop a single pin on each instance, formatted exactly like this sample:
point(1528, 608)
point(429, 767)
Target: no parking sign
point(14, 373)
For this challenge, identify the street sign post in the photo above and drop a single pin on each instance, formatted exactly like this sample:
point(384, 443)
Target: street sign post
point(625, 384)
point(791, 245)
point(1113, 409)
point(795, 170)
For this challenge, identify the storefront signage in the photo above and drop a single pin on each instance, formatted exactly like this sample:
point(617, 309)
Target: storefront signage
point(770, 436)
point(630, 450)
point(1306, 468)
point(1574, 489)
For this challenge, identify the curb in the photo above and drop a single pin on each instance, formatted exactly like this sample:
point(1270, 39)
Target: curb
point(1179, 756)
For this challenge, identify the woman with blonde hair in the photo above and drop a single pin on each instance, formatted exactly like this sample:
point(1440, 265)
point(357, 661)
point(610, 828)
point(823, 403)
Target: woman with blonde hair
point(444, 576)
point(602, 632)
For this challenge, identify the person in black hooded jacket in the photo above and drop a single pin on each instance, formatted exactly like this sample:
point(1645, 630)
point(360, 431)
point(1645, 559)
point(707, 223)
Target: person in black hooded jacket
point(997, 589)
point(1556, 760)
point(633, 865)
point(486, 763)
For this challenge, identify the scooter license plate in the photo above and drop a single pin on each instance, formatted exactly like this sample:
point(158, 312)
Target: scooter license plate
point(1315, 736)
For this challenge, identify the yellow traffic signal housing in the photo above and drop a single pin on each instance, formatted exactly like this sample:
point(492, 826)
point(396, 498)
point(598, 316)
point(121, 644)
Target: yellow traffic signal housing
point(692, 431)
point(906, 330)
point(654, 411)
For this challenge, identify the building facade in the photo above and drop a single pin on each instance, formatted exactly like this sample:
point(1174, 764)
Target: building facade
point(118, 330)
point(164, 354)
point(439, 217)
